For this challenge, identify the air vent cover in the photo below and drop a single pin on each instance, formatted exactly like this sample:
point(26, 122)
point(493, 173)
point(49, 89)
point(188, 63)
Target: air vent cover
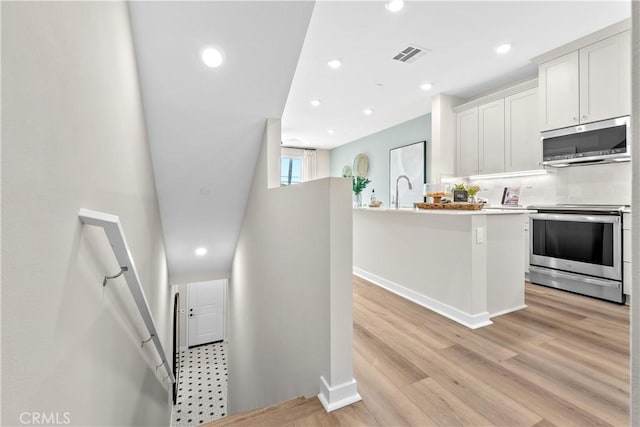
point(411, 54)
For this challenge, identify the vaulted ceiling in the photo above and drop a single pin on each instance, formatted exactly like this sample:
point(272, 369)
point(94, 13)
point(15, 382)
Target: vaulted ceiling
point(205, 125)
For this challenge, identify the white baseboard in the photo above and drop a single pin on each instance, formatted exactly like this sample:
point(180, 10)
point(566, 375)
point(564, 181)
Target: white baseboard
point(471, 321)
point(339, 396)
point(508, 310)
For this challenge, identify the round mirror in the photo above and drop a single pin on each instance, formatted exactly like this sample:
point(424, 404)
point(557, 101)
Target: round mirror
point(361, 165)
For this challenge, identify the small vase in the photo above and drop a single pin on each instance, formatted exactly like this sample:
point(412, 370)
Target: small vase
point(357, 200)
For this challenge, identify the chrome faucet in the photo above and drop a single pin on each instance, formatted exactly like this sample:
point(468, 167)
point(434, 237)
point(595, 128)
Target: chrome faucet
point(397, 180)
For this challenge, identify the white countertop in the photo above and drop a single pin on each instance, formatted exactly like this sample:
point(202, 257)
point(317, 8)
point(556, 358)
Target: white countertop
point(490, 211)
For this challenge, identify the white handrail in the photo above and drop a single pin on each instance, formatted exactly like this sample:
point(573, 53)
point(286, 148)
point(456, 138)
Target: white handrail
point(113, 230)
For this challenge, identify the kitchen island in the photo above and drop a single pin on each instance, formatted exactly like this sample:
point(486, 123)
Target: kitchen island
point(465, 265)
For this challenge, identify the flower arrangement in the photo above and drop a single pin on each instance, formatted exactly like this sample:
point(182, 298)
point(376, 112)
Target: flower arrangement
point(359, 184)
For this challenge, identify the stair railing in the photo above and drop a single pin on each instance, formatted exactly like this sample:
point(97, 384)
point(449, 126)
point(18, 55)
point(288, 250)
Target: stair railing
point(113, 230)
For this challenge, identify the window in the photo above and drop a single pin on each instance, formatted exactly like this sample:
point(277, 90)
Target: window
point(290, 171)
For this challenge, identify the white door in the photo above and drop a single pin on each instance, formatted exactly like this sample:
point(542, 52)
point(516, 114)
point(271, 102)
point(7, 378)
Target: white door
point(205, 311)
point(491, 137)
point(558, 82)
point(605, 79)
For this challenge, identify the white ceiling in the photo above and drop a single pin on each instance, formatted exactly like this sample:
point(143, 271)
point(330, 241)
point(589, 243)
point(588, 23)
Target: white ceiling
point(462, 37)
point(205, 125)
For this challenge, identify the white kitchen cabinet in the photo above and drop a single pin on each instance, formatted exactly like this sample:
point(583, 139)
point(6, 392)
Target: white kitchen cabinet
point(501, 135)
point(605, 79)
point(626, 283)
point(526, 247)
point(586, 85)
point(626, 255)
point(467, 142)
point(559, 92)
point(491, 137)
point(523, 148)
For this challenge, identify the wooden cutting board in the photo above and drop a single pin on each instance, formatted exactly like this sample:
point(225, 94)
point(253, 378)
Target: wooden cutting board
point(452, 206)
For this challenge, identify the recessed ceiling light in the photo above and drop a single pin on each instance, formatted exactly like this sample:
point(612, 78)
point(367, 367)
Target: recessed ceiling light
point(331, 131)
point(201, 251)
point(335, 63)
point(367, 111)
point(212, 57)
point(503, 48)
point(426, 86)
point(394, 5)
point(315, 102)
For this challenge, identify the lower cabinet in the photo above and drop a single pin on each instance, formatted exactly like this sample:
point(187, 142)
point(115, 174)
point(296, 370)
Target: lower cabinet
point(526, 248)
point(626, 254)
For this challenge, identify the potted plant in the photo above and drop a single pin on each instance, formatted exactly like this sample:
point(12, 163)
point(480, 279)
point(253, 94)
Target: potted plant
point(359, 184)
point(460, 193)
point(472, 191)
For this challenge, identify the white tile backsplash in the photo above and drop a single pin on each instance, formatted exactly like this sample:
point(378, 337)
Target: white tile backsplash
point(594, 184)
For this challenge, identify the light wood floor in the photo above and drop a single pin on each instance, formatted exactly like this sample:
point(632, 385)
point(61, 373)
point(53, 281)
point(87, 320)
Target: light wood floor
point(562, 361)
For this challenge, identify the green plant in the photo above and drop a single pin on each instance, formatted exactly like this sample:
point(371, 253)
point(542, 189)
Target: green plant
point(359, 184)
point(473, 190)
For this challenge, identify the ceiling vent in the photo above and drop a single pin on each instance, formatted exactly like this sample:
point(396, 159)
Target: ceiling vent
point(411, 54)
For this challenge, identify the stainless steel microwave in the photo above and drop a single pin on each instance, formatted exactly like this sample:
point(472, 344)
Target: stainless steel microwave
point(598, 142)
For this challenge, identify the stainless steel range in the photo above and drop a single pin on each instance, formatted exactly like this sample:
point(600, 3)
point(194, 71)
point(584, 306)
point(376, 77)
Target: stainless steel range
point(578, 248)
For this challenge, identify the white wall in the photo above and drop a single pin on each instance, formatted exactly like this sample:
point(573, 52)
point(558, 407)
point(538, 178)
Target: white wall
point(594, 184)
point(74, 136)
point(377, 147)
point(290, 289)
point(324, 163)
point(443, 137)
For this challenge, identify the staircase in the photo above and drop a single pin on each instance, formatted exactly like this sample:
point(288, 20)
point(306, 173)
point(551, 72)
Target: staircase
point(299, 410)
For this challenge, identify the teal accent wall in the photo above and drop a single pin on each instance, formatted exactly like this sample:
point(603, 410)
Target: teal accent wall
point(376, 147)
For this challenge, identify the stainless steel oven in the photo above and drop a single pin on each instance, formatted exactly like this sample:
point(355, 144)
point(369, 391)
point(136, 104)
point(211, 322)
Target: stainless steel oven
point(578, 248)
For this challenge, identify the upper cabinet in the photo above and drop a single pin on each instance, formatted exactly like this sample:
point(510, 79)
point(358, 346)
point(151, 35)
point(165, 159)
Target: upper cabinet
point(500, 135)
point(605, 79)
point(491, 137)
point(559, 92)
point(523, 149)
point(587, 85)
point(467, 142)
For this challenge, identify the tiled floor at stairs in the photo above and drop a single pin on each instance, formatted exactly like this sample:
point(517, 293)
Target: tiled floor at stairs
point(202, 386)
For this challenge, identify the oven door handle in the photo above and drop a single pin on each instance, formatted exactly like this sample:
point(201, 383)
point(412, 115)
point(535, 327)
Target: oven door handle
point(576, 218)
point(607, 283)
